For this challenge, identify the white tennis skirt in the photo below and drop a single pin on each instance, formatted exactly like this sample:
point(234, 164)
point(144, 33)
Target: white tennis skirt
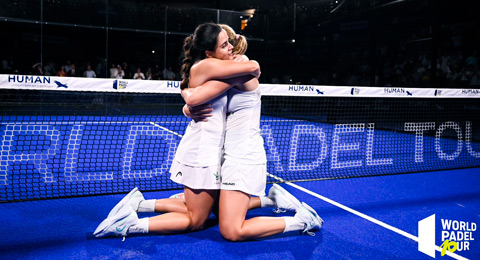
point(247, 178)
point(198, 178)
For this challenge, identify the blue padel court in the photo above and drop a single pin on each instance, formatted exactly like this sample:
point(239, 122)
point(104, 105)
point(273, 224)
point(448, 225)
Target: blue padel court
point(375, 218)
point(393, 178)
point(369, 114)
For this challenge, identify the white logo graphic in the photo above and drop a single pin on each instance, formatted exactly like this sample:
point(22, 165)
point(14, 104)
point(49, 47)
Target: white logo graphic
point(456, 236)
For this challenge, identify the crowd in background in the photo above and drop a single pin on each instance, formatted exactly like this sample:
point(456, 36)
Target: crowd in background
point(450, 59)
point(351, 68)
point(86, 69)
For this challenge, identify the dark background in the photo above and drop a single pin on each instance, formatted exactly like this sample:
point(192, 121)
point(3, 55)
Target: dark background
point(410, 43)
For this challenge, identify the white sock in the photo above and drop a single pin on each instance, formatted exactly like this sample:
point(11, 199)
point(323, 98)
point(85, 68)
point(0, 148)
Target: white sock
point(266, 202)
point(140, 228)
point(146, 206)
point(293, 224)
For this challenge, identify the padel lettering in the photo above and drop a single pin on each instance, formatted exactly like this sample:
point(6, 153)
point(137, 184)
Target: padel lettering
point(68, 149)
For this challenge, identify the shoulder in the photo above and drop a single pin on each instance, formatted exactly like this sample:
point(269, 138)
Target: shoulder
point(206, 64)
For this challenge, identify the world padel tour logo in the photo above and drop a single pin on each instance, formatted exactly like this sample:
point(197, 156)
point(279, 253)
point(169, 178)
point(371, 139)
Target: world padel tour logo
point(120, 84)
point(456, 236)
point(354, 91)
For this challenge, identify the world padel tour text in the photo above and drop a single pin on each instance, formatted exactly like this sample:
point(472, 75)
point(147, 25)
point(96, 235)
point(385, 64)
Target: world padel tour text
point(456, 235)
point(59, 148)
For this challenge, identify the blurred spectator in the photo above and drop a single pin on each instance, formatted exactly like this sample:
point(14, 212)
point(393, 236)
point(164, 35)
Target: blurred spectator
point(127, 71)
point(68, 66)
point(157, 73)
point(139, 75)
point(73, 71)
point(89, 73)
point(148, 74)
point(49, 69)
point(99, 71)
point(120, 72)
point(113, 71)
point(37, 69)
point(168, 74)
point(62, 72)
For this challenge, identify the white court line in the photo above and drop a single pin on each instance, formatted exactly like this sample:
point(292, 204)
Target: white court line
point(166, 129)
point(376, 221)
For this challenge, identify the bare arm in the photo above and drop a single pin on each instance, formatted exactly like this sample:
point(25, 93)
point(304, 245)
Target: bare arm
point(212, 68)
point(205, 92)
point(211, 89)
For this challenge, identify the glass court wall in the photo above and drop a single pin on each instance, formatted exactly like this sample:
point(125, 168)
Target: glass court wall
point(102, 34)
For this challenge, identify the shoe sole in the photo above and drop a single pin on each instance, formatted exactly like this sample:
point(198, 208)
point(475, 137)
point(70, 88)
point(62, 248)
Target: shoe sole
point(122, 203)
point(312, 211)
point(288, 195)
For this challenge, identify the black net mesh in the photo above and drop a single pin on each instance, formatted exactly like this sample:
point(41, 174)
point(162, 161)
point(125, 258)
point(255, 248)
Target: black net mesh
point(66, 143)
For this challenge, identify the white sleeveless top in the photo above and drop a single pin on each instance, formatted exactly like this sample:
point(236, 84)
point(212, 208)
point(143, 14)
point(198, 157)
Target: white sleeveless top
point(243, 142)
point(202, 143)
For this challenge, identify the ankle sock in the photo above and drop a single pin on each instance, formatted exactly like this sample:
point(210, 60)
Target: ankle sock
point(266, 202)
point(146, 206)
point(140, 228)
point(293, 224)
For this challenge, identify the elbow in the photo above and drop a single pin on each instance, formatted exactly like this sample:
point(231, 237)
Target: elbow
point(189, 99)
point(255, 66)
point(191, 102)
point(255, 69)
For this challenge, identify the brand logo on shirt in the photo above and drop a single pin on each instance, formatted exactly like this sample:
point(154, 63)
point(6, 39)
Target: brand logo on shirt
point(178, 173)
point(229, 183)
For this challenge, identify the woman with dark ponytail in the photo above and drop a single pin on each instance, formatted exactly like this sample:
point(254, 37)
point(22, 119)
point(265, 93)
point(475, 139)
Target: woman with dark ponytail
point(197, 160)
point(210, 69)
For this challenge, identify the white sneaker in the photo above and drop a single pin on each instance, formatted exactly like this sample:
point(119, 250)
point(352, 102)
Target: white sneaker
point(283, 199)
point(309, 217)
point(118, 224)
point(133, 198)
point(180, 195)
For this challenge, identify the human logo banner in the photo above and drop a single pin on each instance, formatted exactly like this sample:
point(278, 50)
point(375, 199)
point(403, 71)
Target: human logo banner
point(32, 82)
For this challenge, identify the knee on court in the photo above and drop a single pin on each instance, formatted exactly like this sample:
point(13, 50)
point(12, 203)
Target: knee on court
point(197, 223)
point(231, 233)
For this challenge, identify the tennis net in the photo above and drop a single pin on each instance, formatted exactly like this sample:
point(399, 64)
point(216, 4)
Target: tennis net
point(63, 137)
